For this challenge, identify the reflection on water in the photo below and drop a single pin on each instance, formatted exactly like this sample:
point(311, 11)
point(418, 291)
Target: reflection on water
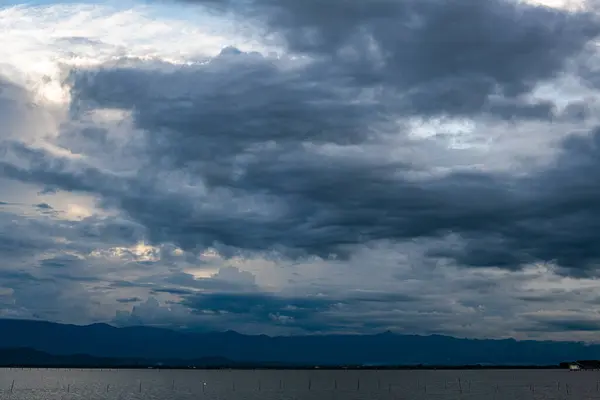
point(49, 384)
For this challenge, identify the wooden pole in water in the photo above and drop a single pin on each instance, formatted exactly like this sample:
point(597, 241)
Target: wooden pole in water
point(107, 386)
point(358, 384)
point(140, 388)
point(459, 385)
point(173, 385)
point(69, 388)
point(309, 384)
point(12, 386)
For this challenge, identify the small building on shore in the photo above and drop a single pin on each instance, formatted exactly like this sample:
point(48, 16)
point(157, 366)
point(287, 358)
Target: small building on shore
point(574, 367)
point(583, 365)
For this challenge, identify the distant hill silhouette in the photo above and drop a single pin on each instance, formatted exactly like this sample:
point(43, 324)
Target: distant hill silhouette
point(28, 356)
point(161, 345)
point(24, 356)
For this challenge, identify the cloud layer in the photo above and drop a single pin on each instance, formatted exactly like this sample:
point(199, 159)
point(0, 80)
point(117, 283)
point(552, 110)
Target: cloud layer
point(420, 166)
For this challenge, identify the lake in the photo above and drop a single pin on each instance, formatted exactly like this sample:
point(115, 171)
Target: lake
point(48, 384)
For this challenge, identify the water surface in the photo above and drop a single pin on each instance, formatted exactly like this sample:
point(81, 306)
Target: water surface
point(50, 384)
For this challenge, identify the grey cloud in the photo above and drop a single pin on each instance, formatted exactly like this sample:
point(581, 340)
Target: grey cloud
point(227, 279)
point(62, 261)
point(151, 312)
point(127, 284)
point(234, 275)
point(21, 237)
point(15, 107)
point(172, 290)
point(575, 325)
point(47, 298)
point(53, 171)
point(45, 278)
point(260, 305)
point(380, 297)
point(456, 306)
point(231, 299)
point(18, 276)
point(126, 300)
point(309, 312)
point(550, 296)
point(562, 324)
point(80, 40)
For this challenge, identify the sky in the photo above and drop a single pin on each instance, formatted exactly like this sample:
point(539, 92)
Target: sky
point(303, 167)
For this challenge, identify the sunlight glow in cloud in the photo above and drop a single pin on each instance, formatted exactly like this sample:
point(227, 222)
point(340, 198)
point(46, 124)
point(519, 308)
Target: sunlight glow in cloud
point(43, 42)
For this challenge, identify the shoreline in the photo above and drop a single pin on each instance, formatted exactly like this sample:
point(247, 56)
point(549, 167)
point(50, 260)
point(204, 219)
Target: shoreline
point(290, 367)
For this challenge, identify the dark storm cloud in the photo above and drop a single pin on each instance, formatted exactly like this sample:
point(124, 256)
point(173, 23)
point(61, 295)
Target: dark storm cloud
point(441, 55)
point(270, 141)
point(556, 219)
point(241, 98)
point(333, 201)
point(239, 122)
point(329, 202)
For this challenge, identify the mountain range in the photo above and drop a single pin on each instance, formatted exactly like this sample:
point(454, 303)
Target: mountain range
point(28, 357)
point(130, 344)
